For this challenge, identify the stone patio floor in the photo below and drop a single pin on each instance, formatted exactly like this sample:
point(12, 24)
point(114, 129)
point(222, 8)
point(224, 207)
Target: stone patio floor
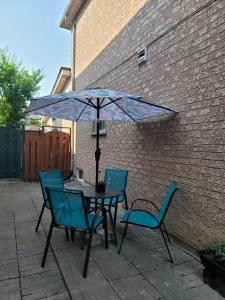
point(140, 272)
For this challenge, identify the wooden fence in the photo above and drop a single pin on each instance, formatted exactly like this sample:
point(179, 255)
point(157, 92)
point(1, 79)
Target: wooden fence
point(46, 151)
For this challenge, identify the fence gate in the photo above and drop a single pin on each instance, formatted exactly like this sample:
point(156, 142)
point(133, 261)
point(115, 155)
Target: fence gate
point(46, 151)
point(10, 152)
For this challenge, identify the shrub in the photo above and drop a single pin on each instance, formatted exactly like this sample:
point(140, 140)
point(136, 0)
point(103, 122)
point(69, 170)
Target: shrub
point(216, 251)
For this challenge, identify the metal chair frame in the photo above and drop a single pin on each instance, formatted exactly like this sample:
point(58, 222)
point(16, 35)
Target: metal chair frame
point(90, 228)
point(45, 201)
point(115, 206)
point(160, 224)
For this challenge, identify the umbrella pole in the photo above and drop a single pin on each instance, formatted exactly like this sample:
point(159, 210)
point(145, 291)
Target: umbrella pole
point(98, 151)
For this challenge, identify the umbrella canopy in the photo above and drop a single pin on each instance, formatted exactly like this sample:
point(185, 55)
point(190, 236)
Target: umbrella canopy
point(96, 104)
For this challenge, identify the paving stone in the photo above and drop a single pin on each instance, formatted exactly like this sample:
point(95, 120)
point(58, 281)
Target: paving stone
point(165, 280)
point(73, 275)
point(7, 232)
point(59, 241)
point(100, 252)
point(209, 293)
point(7, 253)
point(30, 265)
point(145, 261)
point(31, 248)
point(178, 255)
point(194, 279)
point(189, 294)
point(25, 228)
point(116, 267)
point(61, 296)
point(191, 272)
point(10, 289)
point(189, 267)
point(97, 292)
point(70, 256)
point(8, 269)
point(42, 285)
point(201, 293)
point(135, 287)
point(130, 247)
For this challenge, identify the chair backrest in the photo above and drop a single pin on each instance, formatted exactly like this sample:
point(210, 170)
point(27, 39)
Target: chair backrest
point(166, 202)
point(67, 206)
point(52, 178)
point(116, 179)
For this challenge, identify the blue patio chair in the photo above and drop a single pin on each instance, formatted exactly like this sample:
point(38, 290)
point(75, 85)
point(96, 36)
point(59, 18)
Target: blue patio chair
point(146, 219)
point(115, 179)
point(52, 178)
point(68, 210)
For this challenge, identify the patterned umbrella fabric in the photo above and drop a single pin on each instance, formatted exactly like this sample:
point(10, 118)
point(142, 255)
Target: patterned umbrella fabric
point(82, 105)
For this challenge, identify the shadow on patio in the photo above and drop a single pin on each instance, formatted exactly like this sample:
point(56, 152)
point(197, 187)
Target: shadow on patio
point(142, 271)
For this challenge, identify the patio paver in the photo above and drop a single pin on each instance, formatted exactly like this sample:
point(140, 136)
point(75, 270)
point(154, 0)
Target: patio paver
point(142, 271)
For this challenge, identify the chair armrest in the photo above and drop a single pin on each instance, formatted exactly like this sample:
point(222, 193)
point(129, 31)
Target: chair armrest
point(145, 200)
point(141, 210)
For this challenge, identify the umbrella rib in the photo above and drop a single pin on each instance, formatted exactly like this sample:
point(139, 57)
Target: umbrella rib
point(142, 101)
point(83, 110)
point(89, 102)
point(113, 101)
point(92, 104)
point(102, 101)
point(156, 105)
point(59, 102)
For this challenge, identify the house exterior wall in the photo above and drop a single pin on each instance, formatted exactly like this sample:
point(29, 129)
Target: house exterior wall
point(184, 72)
point(98, 26)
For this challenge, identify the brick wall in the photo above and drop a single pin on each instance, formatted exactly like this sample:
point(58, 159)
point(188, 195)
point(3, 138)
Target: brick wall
point(184, 72)
point(101, 22)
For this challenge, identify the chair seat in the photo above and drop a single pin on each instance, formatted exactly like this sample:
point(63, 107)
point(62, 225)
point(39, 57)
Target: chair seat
point(77, 220)
point(140, 218)
point(107, 200)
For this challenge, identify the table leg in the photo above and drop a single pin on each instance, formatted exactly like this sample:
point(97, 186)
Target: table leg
point(113, 227)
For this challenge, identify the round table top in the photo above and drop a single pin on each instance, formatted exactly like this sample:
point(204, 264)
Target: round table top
point(90, 192)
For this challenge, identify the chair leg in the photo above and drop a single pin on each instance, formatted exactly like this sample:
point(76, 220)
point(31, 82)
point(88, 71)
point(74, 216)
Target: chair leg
point(87, 254)
point(113, 228)
point(67, 234)
point(166, 233)
point(96, 205)
point(105, 228)
point(47, 245)
point(168, 250)
point(39, 220)
point(83, 239)
point(115, 215)
point(72, 234)
point(125, 198)
point(123, 237)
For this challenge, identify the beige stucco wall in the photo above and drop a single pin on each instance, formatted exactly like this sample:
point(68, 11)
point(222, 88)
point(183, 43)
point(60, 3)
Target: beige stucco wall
point(99, 25)
point(60, 122)
point(68, 86)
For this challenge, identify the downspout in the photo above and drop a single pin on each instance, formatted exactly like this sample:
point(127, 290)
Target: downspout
point(73, 61)
point(73, 57)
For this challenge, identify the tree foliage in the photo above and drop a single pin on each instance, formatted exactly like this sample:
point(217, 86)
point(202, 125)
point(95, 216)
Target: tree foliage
point(17, 86)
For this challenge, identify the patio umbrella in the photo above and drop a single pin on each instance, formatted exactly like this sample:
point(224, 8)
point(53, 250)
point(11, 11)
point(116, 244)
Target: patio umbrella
point(96, 104)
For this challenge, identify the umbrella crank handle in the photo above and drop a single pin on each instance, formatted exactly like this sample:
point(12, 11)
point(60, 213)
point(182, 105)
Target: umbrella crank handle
point(97, 154)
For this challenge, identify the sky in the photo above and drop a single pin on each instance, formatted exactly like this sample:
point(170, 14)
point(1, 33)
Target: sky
point(30, 30)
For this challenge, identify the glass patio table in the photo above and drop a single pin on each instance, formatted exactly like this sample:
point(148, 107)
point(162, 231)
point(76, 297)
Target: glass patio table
point(90, 193)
